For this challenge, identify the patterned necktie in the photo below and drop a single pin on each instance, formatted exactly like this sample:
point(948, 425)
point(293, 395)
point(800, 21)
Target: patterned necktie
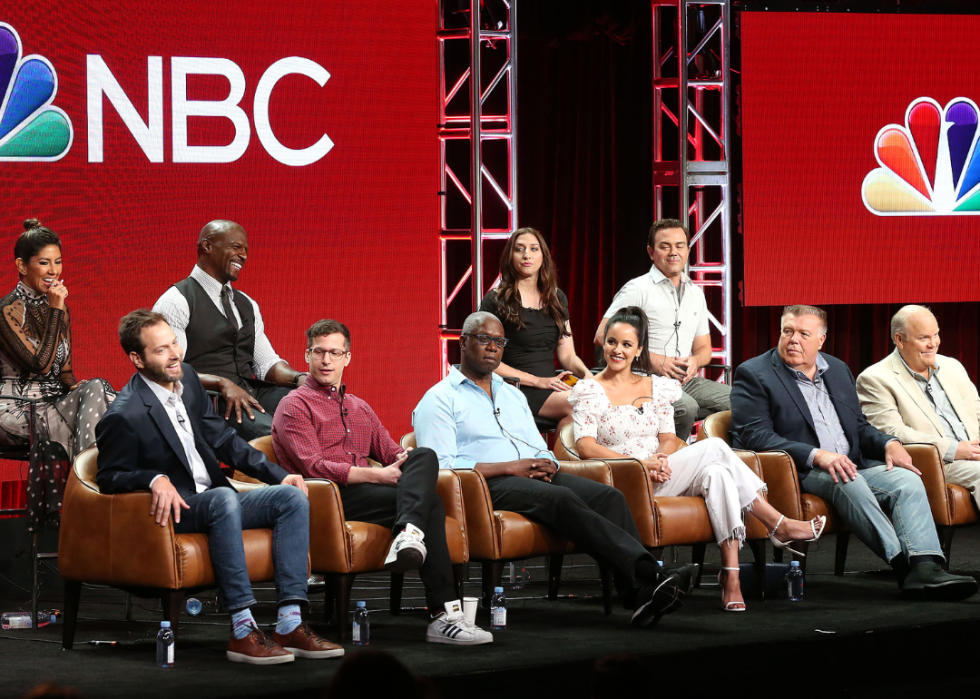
point(226, 305)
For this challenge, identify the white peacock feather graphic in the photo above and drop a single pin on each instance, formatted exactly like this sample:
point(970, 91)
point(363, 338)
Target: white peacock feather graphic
point(931, 165)
point(30, 128)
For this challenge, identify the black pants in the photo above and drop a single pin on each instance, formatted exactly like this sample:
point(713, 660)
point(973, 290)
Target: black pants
point(268, 397)
point(413, 501)
point(592, 515)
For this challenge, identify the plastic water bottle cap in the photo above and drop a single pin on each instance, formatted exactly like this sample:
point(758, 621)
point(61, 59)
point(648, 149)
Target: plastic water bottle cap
point(498, 589)
point(361, 605)
point(164, 624)
point(794, 564)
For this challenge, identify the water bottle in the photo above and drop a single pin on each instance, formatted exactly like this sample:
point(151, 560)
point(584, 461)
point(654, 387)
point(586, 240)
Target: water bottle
point(362, 625)
point(498, 609)
point(22, 620)
point(194, 606)
point(165, 645)
point(794, 582)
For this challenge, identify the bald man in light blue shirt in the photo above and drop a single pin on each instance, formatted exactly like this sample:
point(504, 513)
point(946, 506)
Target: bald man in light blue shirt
point(474, 420)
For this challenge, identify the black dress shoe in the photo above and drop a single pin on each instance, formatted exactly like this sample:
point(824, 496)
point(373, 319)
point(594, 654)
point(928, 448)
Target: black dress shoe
point(653, 601)
point(928, 581)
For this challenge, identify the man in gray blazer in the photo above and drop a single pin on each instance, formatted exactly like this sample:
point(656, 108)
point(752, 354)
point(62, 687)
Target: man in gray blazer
point(919, 395)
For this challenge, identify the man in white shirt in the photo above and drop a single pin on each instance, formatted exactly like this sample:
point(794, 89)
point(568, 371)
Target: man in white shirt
point(223, 335)
point(680, 337)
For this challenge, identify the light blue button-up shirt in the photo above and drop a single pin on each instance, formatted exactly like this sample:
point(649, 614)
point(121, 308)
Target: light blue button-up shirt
point(463, 426)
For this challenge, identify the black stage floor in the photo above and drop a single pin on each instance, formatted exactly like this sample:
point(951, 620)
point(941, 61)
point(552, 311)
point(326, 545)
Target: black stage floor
point(849, 637)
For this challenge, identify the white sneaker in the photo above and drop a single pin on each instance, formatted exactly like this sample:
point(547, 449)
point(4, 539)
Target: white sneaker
point(407, 551)
point(454, 629)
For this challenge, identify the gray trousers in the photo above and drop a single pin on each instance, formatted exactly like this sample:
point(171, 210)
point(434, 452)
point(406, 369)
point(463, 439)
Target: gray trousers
point(701, 398)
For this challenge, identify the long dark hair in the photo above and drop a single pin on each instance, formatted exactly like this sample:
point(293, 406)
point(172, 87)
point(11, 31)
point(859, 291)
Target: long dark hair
point(34, 239)
point(509, 300)
point(635, 317)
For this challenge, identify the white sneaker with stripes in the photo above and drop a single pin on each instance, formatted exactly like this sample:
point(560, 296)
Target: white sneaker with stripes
point(453, 628)
point(407, 552)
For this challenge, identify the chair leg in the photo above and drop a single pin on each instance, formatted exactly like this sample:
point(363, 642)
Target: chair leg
point(172, 602)
point(758, 547)
point(607, 584)
point(697, 556)
point(344, 584)
point(73, 594)
point(329, 597)
point(459, 573)
point(945, 542)
point(554, 575)
point(840, 556)
point(395, 602)
point(35, 589)
point(493, 571)
point(777, 555)
point(803, 547)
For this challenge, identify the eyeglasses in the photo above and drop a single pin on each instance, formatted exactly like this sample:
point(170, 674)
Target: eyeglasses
point(335, 355)
point(487, 339)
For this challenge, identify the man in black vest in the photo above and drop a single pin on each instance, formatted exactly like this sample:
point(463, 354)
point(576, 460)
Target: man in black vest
point(223, 335)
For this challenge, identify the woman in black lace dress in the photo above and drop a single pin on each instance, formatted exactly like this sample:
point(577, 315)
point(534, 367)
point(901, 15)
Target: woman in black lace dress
point(36, 362)
point(534, 313)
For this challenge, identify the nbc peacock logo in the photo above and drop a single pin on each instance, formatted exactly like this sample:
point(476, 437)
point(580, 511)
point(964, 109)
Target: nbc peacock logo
point(930, 166)
point(30, 128)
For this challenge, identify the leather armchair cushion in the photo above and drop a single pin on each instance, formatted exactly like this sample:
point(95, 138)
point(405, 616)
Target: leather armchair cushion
point(519, 537)
point(961, 506)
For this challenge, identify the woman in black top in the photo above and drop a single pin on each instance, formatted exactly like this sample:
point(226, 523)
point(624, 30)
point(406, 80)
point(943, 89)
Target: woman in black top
point(534, 313)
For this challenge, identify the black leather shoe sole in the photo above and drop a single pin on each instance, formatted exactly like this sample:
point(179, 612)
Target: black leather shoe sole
point(665, 598)
point(951, 591)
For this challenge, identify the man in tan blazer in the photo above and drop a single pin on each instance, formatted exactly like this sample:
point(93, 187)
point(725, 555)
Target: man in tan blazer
point(919, 395)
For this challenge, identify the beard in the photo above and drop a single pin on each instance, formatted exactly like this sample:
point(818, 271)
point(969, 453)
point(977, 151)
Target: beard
point(160, 375)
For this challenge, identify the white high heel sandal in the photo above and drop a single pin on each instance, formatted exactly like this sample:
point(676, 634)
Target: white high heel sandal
point(821, 521)
point(731, 606)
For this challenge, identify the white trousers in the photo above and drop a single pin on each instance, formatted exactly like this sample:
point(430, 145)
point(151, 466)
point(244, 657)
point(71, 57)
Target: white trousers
point(710, 469)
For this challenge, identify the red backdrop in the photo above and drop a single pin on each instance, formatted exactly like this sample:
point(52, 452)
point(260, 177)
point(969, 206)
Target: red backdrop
point(350, 236)
point(816, 89)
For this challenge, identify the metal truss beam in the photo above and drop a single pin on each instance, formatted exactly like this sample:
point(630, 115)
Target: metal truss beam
point(477, 147)
point(691, 132)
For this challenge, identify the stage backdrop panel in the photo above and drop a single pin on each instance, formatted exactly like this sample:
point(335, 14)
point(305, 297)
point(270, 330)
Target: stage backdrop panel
point(861, 165)
point(312, 124)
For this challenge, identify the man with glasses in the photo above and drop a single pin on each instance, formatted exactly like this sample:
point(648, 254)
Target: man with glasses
point(473, 419)
point(321, 430)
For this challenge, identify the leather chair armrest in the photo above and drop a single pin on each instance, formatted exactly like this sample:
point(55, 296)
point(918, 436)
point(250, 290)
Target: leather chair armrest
point(926, 458)
point(245, 486)
point(328, 530)
point(594, 469)
point(112, 539)
point(783, 482)
point(450, 489)
point(478, 510)
point(631, 479)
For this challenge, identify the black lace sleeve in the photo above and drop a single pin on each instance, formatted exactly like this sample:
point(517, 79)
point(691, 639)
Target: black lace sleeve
point(20, 349)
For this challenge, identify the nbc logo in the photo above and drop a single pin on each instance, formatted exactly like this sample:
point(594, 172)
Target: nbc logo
point(930, 166)
point(30, 128)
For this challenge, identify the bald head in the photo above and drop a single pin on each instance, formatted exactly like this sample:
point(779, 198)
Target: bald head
point(222, 248)
point(915, 333)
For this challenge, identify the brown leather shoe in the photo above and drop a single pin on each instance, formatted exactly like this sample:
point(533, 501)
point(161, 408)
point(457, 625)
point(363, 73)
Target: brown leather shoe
point(257, 649)
point(303, 642)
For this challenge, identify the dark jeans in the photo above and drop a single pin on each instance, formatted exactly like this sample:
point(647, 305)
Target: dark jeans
point(413, 501)
point(222, 514)
point(592, 515)
point(268, 397)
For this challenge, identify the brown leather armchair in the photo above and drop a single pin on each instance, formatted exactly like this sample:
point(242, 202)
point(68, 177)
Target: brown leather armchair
point(670, 521)
point(342, 549)
point(498, 536)
point(951, 504)
point(112, 540)
point(779, 473)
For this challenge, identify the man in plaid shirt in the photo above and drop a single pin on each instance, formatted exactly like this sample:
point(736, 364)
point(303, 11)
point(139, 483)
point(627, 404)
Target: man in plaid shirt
point(320, 430)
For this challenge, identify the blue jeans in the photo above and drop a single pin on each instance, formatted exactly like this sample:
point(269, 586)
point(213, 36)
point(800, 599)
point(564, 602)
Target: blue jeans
point(223, 513)
point(861, 502)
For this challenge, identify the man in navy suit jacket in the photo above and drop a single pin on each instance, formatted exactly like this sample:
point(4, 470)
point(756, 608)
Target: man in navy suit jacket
point(163, 435)
point(796, 399)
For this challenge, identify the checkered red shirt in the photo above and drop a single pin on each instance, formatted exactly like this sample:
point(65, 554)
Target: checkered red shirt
point(321, 432)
